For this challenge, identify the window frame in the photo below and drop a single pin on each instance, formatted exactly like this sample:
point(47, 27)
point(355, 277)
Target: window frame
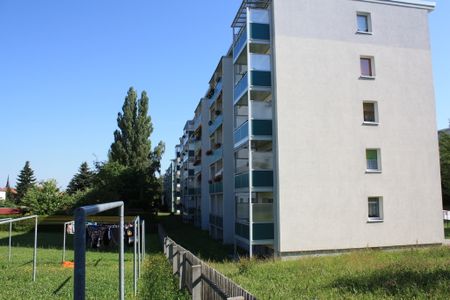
point(368, 17)
point(380, 217)
point(379, 169)
point(376, 115)
point(371, 60)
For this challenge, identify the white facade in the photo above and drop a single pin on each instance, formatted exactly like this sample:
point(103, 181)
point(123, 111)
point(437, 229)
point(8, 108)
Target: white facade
point(2, 196)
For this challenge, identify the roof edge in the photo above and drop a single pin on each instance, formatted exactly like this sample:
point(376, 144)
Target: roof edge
point(423, 4)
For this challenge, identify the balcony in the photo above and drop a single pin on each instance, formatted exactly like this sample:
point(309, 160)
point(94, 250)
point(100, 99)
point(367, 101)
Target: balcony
point(215, 188)
point(216, 220)
point(261, 78)
point(197, 121)
point(241, 41)
point(263, 231)
point(241, 87)
point(262, 212)
point(262, 127)
point(241, 133)
point(260, 179)
point(217, 91)
point(216, 124)
point(260, 31)
point(242, 230)
point(215, 156)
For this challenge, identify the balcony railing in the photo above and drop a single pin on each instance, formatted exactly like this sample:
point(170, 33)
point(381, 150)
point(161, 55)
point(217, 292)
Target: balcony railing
point(215, 188)
point(262, 212)
point(216, 220)
point(263, 231)
point(217, 154)
point(216, 94)
point(216, 124)
point(262, 78)
point(259, 31)
point(242, 230)
point(240, 43)
point(261, 178)
point(241, 133)
point(197, 121)
point(262, 127)
point(241, 87)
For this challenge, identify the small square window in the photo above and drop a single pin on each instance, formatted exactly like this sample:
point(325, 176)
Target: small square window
point(373, 160)
point(363, 22)
point(375, 209)
point(370, 112)
point(367, 67)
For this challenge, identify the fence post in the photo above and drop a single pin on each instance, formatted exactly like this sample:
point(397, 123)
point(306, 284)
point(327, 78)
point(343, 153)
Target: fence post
point(170, 252)
point(165, 246)
point(182, 269)
point(197, 282)
point(175, 259)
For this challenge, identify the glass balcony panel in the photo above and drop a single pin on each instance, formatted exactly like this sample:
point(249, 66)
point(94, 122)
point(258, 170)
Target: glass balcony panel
point(259, 31)
point(260, 62)
point(242, 212)
point(262, 160)
point(263, 231)
point(259, 16)
point(217, 154)
point(262, 110)
point(241, 181)
point(216, 124)
point(262, 127)
point(263, 212)
point(241, 165)
point(242, 230)
point(262, 178)
point(241, 87)
point(261, 78)
point(241, 133)
point(240, 43)
point(216, 188)
point(216, 94)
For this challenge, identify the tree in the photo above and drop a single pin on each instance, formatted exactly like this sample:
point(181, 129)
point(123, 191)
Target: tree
point(82, 180)
point(132, 144)
point(444, 149)
point(46, 198)
point(25, 180)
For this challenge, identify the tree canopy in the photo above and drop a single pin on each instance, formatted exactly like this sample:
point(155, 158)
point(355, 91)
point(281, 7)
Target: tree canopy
point(444, 149)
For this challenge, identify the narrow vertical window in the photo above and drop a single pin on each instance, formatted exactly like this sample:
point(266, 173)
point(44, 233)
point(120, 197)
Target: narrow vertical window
point(375, 206)
point(363, 22)
point(370, 112)
point(367, 69)
point(373, 160)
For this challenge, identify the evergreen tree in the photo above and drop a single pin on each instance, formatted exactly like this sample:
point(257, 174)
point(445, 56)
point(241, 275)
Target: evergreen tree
point(25, 180)
point(82, 180)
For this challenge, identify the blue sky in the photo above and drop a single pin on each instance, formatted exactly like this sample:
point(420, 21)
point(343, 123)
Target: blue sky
point(65, 68)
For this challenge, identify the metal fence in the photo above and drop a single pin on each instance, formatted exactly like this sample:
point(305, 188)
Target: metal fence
point(202, 281)
point(10, 222)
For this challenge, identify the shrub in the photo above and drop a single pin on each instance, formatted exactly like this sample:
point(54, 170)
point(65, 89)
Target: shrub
point(46, 198)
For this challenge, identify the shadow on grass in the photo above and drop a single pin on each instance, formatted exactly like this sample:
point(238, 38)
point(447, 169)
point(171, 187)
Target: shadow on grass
point(195, 240)
point(395, 282)
point(55, 292)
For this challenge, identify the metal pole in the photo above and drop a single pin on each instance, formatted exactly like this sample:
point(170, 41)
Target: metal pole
point(134, 259)
point(121, 256)
point(143, 240)
point(10, 236)
point(64, 244)
point(79, 285)
point(35, 248)
point(139, 248)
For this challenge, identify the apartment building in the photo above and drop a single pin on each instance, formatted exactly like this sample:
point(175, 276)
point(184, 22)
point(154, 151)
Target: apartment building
point(332, 134)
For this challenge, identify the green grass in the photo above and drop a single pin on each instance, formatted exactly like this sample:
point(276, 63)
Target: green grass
point(419, 273)
point(55, 282)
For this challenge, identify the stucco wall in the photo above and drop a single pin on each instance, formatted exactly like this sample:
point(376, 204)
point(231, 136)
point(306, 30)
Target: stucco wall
point(323, 187)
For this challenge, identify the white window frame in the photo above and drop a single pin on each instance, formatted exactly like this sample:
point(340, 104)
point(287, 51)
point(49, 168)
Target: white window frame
point(372, 67)
point(380, 218)
point(378, 170)
point(369, 23)
point(375, 107)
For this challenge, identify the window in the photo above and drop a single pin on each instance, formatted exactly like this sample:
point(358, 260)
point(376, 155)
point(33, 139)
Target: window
point(373, 160)
point(370, 112)
point(363, 23)
point(375, 212)
point(367, 67)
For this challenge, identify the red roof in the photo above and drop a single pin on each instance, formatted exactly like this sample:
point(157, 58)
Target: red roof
point(5, 189)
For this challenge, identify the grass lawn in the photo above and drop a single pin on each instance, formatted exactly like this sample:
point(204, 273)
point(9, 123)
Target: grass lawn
point(55, 282)
point(422, 273)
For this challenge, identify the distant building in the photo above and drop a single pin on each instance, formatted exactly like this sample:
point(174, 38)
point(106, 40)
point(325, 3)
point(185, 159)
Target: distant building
point(3, 193)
